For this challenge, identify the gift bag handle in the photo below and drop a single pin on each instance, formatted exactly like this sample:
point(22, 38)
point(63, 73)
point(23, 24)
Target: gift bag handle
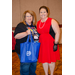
point(32, 40)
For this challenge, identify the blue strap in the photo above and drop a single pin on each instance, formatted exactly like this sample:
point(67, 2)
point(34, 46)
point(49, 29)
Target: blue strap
point(32, 40)
point(30, 27)
point(27, 39)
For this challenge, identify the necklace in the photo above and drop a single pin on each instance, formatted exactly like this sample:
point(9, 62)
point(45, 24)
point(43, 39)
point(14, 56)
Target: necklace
point(42, 25)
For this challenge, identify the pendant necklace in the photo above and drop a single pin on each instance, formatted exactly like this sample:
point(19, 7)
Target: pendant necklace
point(42, 25)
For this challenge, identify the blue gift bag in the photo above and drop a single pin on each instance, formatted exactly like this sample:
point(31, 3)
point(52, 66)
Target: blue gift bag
point(29, 51)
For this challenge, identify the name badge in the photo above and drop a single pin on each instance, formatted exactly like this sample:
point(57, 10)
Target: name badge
point(35, 37)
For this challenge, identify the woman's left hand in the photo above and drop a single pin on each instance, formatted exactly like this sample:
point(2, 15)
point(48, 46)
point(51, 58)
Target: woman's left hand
point(56, 29)
point(55, 47)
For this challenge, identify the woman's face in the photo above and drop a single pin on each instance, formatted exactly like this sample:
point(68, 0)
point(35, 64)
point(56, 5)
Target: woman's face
point(43, 13)
point(28, 18)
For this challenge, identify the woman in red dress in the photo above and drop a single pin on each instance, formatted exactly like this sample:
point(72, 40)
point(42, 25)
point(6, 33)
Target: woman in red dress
point(49, 36)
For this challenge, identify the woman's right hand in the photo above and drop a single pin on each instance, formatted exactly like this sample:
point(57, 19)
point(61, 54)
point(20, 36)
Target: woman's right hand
point(28, 32)
point(22, 35)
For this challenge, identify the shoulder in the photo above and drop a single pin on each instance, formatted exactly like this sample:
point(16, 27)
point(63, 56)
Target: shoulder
point(20, 24)
point(55, 25)
point(49, 18)
point(54, 22)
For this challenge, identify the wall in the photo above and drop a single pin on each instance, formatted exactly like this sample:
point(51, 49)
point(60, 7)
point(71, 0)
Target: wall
point(19, 6)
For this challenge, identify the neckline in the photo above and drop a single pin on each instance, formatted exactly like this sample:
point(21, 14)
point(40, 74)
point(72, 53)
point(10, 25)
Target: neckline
point(45, 21)
point(43, 24)
point(29, 25)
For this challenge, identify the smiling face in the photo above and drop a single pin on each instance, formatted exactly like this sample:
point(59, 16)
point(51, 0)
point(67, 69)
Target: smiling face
point(43, 13)
point(28, 18)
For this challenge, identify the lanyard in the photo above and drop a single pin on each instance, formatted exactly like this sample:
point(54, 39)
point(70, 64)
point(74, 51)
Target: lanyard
point(29, 26)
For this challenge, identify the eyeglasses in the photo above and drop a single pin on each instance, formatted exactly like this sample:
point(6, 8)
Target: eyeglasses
point(28, 16)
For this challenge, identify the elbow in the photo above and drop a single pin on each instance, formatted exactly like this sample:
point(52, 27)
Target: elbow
point(59, 32)
point(15, 37)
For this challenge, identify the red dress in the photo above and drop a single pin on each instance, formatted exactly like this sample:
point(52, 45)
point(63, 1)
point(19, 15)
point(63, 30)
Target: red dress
point(46, 53)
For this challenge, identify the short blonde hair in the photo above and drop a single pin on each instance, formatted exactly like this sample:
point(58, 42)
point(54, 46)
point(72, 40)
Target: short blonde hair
point(33, 15)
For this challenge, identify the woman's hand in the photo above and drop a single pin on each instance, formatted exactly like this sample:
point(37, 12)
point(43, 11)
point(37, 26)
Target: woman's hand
point(28, 32)
point(55, 47)
point(22, 34)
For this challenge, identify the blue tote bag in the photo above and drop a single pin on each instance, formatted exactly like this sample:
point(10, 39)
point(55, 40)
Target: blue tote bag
point(29, 51)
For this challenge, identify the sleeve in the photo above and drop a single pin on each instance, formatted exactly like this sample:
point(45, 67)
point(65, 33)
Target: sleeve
point(20, 28)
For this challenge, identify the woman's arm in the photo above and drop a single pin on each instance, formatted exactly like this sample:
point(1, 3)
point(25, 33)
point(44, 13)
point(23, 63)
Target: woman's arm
point(56, 30)
point(22, 34)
